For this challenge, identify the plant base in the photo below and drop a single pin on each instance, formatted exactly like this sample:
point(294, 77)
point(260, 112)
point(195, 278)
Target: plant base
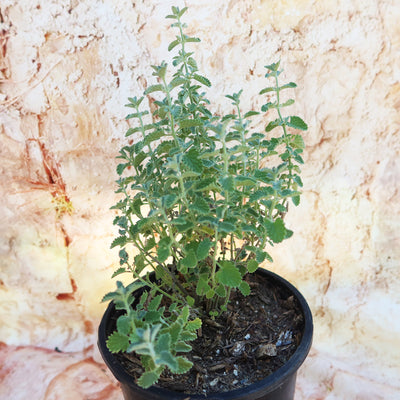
point(279, 385)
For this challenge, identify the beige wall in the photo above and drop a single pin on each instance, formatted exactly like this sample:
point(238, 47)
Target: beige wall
point(66, 69)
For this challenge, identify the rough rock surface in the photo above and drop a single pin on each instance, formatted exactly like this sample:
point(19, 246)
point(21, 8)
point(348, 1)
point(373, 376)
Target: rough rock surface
point(66, 69)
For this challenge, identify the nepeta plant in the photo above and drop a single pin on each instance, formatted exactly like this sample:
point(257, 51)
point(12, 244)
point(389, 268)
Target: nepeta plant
point(200, 203)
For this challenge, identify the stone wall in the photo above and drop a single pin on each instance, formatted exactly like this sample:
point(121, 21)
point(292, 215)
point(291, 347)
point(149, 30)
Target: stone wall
point(66, 69)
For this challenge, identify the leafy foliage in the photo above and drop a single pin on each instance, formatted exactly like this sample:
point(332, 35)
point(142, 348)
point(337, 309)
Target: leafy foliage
point(201, 198)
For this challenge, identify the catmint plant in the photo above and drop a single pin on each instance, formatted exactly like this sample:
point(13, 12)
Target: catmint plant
point(202, 197)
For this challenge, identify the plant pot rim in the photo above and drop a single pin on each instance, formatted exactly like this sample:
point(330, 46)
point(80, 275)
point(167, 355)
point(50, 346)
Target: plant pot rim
point(265, 385)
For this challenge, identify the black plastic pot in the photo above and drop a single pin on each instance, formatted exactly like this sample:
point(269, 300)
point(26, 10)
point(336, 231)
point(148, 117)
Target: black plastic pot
point(278, 386)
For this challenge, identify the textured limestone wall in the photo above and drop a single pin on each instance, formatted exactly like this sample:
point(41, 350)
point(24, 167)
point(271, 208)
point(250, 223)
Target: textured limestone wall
point(66, 69)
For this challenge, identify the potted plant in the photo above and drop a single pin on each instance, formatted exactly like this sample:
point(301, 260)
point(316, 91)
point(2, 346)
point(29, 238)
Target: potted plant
point(202, 196)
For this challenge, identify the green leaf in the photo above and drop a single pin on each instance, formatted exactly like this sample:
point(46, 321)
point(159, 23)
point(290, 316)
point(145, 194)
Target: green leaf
point(228, 183)
point(272, 125)
point(190, 301)
point(267, 89)
point(192, 161)
point(203, 248)
point(124, 324)
point(153, 136)
point(190, 261)
point(244, 288)
point(148, 379)
point(226, 227)
point(155, 303)
point(273, 67)
point(221, 291)
point(276, 230)
point(229, 275)
point(194, 325)
point(163, 252)
point(183, 347)
point(200, 205)
point(297, 123)
point(244, 181)
point(298, 142)
point(184, 365)
point(173, 44)
point(154, 88)
point(119, 241)
point(202, 285)
point(288, 86)
point(202, 79)
point(251, 114)
point(117, 342)
point(119, 271)
point(287, 103)
point(163, 343)
point(263, 193)
point(176, 82)
point(252, 266)
point(190, 123)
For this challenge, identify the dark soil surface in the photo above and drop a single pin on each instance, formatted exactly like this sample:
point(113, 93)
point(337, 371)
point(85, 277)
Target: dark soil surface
point(256, 336)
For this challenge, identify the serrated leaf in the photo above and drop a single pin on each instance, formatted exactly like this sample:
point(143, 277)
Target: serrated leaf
point(272, 125)
point(203, 249)
point(244, 181)
point(297, 123)
point(148, 379)
point(202, 285)
point(288, 86)
point(227, 183)
point(110, 296)
point(121, 168)
point(276, 230)
point(183, 347)
point(163, 343)
point(200, 205)
point(190, 123)
point(226, 227)
point(229, 275)
point(154, 88)
point(153, 136)
point(124, 324)
point(163, 252)
point(166, 358)
point(298, 142)
point(202, 79)
point(244, 288)
point(190, 260)
point(210, 294)
point(251, 114)
point(119, 241)
point(267, 90)
point(252, 266)
point(296, 200)
point(273, 67)
point(155, 303)
point(287, 103)
point(263, 193)
point(192, 161)
point(184, 365)
point(169, 200)
point(119, 271)
point(117, 342)
point(176, 82)
point(193, 325)
point(221, 291)
point(190, 301)
point(175, 331)
point(175, 43)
